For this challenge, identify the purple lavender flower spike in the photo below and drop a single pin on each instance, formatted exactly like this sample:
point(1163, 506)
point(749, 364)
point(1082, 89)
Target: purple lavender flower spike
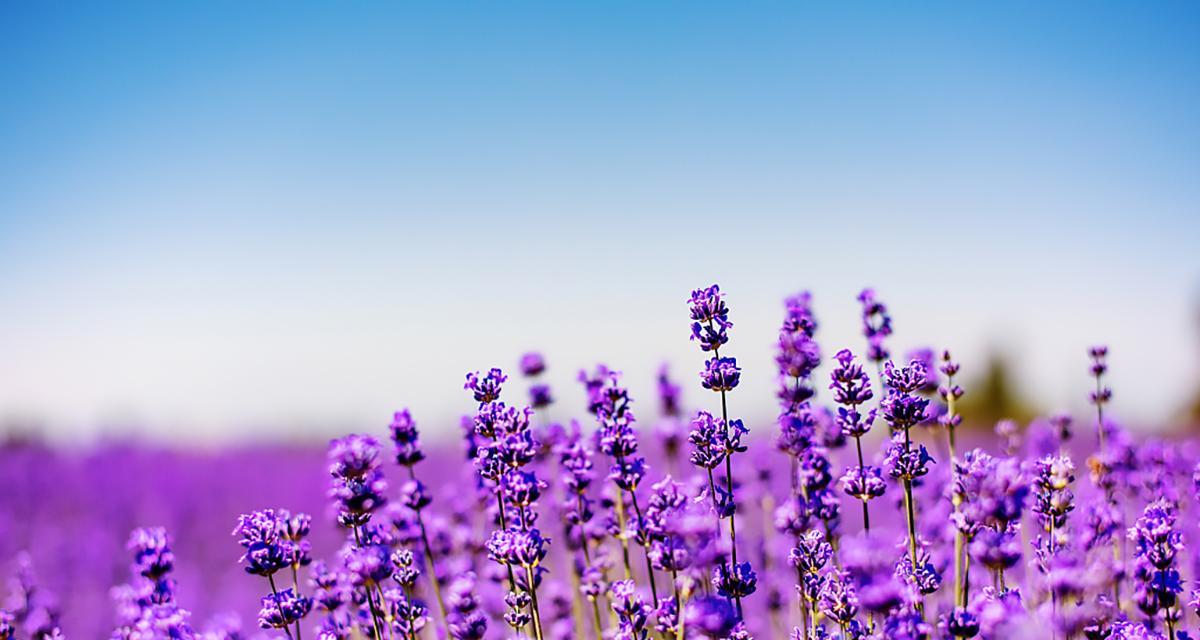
point(485, 388)
point(710, 326)
point(406, 439)
point(532, 364)
point(851, 388)
point(1156, 544)
point(283, 609)
point(877, 326)
point(720, 374)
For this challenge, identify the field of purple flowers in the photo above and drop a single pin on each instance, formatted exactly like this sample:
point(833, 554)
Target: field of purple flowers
point(868, 510)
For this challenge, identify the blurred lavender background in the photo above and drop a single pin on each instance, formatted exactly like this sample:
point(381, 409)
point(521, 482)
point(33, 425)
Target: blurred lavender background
point(230, 233)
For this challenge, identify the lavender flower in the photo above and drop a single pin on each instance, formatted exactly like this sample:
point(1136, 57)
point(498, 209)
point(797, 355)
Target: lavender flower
point(406, 439)
point(283, 609)
point(1156, 544)
point(877, 325)
point(532, 364)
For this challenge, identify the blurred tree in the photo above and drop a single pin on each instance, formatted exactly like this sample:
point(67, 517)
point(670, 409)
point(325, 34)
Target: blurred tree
point(993, 397)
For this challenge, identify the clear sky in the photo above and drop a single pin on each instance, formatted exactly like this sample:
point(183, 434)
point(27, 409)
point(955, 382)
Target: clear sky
point(231, 219)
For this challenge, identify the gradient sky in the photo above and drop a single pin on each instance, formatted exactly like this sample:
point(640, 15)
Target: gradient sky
point(241, 220)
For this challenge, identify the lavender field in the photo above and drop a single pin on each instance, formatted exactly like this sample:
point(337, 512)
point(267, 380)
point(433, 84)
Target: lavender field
point(873, 507)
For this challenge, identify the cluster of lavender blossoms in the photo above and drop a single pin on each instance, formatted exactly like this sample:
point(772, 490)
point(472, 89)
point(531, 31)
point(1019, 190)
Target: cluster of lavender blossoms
point(950, 532)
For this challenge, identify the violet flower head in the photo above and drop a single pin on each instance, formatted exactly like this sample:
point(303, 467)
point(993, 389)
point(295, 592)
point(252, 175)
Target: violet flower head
point(712, 440)
point(922, 576)
point(906, 462)
point(532, 364)
point(353, 456)
point(851, 387)
point(877, 325)
point(668, 393)
point(949, 392)
point(540, 396)
point(1102, 394)
point(408, 442)
point(797, 355)
point(283, 609)
point(485, 388)
point(838, 598)
point(708, 305)
point(404, 571)
point(902, 407)
point(736, 581)
point(358, 488)
point(863, 483)
point(152, 555)
point(720, 374)
point(267, 551)
point(1156, 543)
point(1053, 499)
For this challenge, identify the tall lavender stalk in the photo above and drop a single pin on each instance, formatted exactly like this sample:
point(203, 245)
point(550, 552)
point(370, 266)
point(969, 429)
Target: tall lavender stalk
point(269, 550)
point(501, 461)
point(575, 460)
point(903, 409)
point(1101, 464)
point(358, 491)
point(1053, 502)
point(1156, 543)
point(851, 389)
point(876, 327)
point(950, 394)
point(414, 494)
point(710, 327)
point(611, 403)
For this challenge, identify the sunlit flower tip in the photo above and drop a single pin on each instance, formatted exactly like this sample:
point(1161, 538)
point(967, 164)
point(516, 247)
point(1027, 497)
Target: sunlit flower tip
point(283, 609)
point(151, 552)
point(518, 605)
point(532, 364)
point(517, 548)
point(863, 484)
point(406, 438)
point(949, 367)
point(907, 462)
point(707, 305)
point(485, 388)
point(261, 534)
point(907, 379)
point(404, 570)
point(838, 598)
point(850, 384)
point(720, 374)
point(353, 456)
point(923, 576)
point(877, 325)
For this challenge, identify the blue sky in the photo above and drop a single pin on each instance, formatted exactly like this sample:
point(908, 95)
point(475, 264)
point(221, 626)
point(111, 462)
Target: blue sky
point(227, 219)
